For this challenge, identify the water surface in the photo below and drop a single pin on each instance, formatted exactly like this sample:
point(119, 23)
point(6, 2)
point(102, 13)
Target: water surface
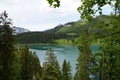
point(68, 52)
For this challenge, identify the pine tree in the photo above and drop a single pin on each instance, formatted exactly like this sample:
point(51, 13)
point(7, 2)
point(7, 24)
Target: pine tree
point(30, 64)
point(37, 69)
point(66, 71)
point(26, 63)
point(84, 57)
point(53, 65)
point(6, 47)
point(16, 66)
point(50, 73)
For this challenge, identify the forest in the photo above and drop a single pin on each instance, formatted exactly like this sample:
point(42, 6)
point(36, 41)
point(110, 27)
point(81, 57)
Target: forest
point(19, 63)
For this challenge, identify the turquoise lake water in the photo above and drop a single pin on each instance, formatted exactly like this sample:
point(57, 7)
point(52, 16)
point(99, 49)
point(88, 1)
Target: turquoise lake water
point(68, 52)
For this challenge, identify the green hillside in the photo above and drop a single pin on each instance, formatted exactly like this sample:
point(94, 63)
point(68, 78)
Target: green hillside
point(61, 33)
point(76, 27)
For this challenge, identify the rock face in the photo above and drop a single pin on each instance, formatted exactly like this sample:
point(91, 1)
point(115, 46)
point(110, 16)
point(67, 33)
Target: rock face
point(19, 30)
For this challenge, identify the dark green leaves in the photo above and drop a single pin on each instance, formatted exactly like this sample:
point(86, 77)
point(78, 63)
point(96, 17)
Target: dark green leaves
point(54, 3)
point(89, 8)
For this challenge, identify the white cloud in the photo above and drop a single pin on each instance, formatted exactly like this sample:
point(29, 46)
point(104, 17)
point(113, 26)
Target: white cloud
point(16, 1)
point(107, 9)
point(67, 7)
point(33, 13)
point(6, 2)
point(23, 20)
point(40, 27)
point(38, 15)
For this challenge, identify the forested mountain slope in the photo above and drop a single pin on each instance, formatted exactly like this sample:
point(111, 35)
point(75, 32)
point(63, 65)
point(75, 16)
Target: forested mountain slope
point(66, 31)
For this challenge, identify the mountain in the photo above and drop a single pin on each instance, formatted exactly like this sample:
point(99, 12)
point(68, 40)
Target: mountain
point(59, 27)
point(19, 30)
point(54, 30)
point(74, 29)
point(67, 31)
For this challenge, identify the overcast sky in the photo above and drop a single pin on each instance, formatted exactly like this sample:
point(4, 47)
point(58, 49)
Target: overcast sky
point(37, 15)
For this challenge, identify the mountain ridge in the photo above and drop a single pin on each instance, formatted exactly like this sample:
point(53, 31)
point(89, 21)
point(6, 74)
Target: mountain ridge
point(68, 31)
point(19, 30)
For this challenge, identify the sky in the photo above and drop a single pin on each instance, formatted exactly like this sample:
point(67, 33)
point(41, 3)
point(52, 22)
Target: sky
point(37, 15)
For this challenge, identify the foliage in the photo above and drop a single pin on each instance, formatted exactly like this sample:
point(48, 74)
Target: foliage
point(63, 41)
point(54, 3)
point(84, 57)
point(89, 8)
point(51, 69)
point(37, 69)
point(66, 71)
point(6, 47)
point(109, 56)
point(50, 73)
point(16, 67)
point(30, 65)
point(26, 64)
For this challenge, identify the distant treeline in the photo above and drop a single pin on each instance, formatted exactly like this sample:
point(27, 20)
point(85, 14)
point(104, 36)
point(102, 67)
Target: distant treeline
point(34, 37)
point(40, 37)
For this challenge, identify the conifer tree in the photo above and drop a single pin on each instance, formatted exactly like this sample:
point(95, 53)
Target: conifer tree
point(26, 64)
point(84, 57)
point(50, 73)
point(37, 69)
point(6, 47)
point(16, 66)
point(30, 64)
point(66, 71)
point(52, 64)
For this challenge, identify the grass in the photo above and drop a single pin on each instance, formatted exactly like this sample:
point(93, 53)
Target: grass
point(63, 41)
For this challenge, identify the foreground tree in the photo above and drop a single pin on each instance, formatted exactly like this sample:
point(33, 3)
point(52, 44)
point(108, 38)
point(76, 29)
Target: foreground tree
point(37, 69)
point(6, 47)
point(30, 65)
point(110, 45)
point(88, 9)
point(84, 57)
point(109, 38)
point(51, 69)
point(26, 64)
point(66, 71)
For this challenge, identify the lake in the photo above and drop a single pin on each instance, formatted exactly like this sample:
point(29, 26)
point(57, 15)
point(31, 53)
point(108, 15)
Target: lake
point(68, 52)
